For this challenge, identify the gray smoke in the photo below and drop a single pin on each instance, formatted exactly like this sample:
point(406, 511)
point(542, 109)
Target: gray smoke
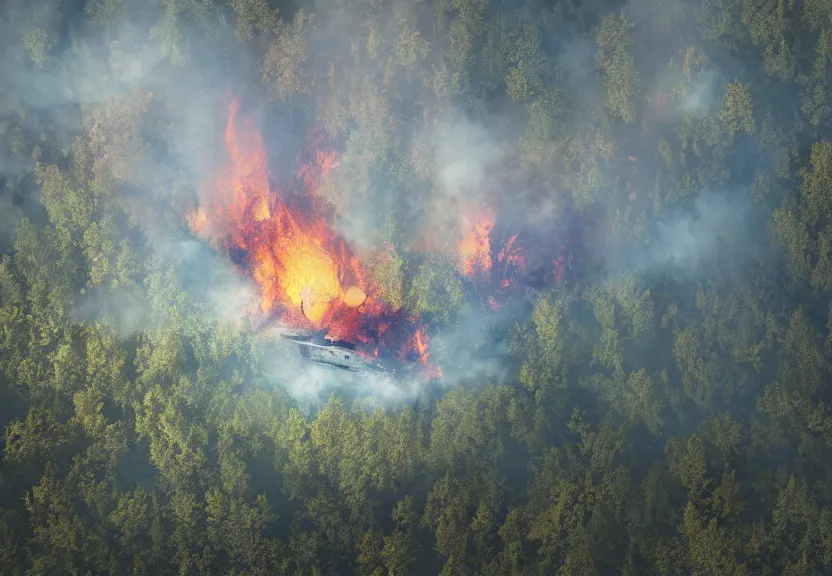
point(397, 159)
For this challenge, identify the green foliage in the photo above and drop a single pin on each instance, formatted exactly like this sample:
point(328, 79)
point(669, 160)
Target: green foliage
point(539, 144)
point(389, 273)
point(38, 44)
point(805, 229)
point(663, 419)
point(283, 64)
point(540, 342)
point(622, 80)
point(738, 111)
point(255, 16)
point(435, 290)
point(795, 238)
point(410, 47)
point(105, 12)
point(771, 26)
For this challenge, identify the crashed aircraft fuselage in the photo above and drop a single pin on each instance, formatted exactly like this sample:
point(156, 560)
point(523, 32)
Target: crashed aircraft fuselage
point(323, 351)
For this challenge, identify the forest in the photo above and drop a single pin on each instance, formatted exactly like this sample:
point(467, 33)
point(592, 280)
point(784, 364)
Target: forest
point(592, 238)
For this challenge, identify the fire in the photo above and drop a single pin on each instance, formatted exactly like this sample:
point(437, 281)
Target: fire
point(306, 273)
point(293, 255)
point(512, 261)
point(293, 268)
point(198, 221)
point(560, 262)
point(474, 248)
point(276, 229)
point(477, 259)
point(418, 344)
point(354, 297)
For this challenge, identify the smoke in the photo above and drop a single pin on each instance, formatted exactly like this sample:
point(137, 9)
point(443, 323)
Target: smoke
point(210, 284)
point(465, 156)
point(56, 79)
point(720, 227)
point(715, 232)
point(428, 159)
point(703, 98)
point(474, 351)
point(124, 309)
point(464, 151)
point(462, 160)
point(209, 279)
point(82, 70)
point(576, 67)
point(311, 384)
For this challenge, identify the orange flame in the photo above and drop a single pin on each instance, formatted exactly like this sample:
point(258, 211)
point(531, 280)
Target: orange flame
point(475, 253)
point(305, 273)
point(474, 248)
point(294, 258)
point(511, 258)
point(418, 344)
point(316, 163)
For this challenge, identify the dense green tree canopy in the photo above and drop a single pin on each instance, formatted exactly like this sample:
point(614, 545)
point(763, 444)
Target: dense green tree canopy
point(667, 406)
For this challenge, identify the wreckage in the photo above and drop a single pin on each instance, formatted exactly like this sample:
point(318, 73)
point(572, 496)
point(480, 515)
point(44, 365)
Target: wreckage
point(342, 355)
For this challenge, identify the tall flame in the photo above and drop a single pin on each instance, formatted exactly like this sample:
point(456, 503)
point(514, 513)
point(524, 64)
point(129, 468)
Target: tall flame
point(306, 273)
point(512, 261)
point(474, 248)
point(291, 254)
point(477, 258)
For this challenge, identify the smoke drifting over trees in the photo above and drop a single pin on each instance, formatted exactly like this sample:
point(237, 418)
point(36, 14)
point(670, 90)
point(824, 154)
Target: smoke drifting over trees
point(592, 237)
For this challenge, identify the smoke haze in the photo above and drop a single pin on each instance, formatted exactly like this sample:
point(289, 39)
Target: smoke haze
point(465, 155)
